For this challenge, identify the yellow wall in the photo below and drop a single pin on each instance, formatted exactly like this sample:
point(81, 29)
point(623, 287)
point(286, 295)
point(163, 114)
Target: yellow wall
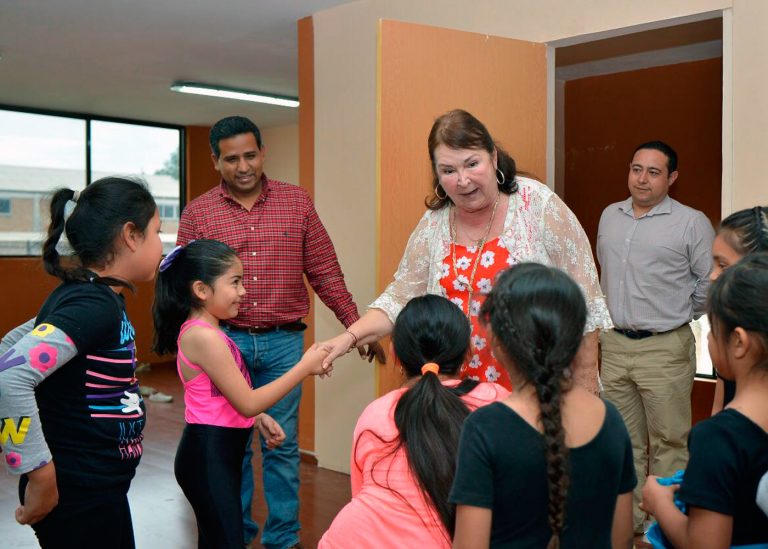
point(345, 57)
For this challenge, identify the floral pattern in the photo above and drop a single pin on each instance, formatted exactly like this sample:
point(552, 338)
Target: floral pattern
point(482, 364)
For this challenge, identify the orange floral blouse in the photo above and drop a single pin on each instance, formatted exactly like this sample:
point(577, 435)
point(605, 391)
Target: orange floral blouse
point(454, 282)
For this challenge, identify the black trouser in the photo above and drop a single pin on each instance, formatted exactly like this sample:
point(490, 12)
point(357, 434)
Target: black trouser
point(85, 517)
point(208, 468)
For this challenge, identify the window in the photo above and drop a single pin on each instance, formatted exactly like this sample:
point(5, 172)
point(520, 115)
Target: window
point(42, 151)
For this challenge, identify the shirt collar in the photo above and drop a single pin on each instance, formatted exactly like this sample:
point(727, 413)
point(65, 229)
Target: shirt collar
point(265, 189)
point(663, 207)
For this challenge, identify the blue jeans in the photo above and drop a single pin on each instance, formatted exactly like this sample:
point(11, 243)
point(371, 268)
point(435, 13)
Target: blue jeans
point(268, 356)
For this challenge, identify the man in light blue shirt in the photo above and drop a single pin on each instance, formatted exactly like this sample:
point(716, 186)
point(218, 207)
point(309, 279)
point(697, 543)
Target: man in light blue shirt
point(655, 257)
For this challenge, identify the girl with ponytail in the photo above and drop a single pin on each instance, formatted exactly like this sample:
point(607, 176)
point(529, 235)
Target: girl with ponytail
point(68, 387)
point(550, 466)
point(404, 451)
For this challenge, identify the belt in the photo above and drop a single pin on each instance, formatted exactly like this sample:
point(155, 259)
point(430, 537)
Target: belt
point(642, 334)
point(295, 326)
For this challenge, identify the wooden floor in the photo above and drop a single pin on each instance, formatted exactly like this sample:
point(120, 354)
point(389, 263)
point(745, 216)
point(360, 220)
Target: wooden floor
point(162, 517)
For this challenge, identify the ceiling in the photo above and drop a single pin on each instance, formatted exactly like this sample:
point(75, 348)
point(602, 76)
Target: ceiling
point(117, 58)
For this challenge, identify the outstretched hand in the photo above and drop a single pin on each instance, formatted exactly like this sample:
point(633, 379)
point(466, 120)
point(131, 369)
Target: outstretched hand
point(40, 496)
point(270, 430)
point(314, 358)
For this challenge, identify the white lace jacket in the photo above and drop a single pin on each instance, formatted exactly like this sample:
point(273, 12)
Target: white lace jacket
point(538, 227)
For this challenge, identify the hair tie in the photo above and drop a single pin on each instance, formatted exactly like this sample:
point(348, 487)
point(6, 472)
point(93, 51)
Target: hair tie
point(75, 196)
point(173, 254)
point(430, 367)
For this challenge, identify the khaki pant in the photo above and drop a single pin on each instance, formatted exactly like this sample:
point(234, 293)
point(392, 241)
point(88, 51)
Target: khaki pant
point(650, 381)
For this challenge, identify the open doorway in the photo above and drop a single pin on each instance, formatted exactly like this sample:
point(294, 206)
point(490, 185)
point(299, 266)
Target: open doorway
point(613, 93)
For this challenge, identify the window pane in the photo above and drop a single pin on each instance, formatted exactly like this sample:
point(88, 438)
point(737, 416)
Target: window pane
point(38, 153)
point(148, 152)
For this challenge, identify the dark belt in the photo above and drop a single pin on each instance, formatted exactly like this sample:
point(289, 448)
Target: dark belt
point(295, 326)
point(642, 334)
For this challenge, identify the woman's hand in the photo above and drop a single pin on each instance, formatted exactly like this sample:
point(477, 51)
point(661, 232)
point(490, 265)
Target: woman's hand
point(40, 496)
point(270, 430)
point(656, 496)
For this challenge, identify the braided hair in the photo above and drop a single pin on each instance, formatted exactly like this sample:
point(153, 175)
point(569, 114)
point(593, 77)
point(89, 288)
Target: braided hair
point(537, 314)
point(746, 230)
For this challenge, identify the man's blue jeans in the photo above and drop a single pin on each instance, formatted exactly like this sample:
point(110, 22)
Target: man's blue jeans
point(268, 356)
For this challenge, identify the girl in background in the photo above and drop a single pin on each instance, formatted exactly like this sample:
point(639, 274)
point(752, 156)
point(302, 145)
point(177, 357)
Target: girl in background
point(76, 456)
point(404, 450)
point(729, 451)
point(550, 466)
point(199, 286)
point(741, 233)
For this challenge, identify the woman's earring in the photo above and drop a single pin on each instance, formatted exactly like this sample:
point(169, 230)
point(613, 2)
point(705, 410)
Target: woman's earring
point(438, 186)
point(503, 179)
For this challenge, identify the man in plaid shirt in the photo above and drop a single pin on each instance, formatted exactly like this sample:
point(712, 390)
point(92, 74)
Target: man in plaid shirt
point(276, 232)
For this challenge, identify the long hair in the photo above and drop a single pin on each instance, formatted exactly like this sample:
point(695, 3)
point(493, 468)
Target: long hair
point(429, 416)
point(458, 129)
point(746, 231)
point(537, 315)
point(203, 260)
point(739, 299)
point(101, 211)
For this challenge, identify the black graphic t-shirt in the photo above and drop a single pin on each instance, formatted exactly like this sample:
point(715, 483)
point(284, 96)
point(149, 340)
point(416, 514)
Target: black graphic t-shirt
point(91, 410)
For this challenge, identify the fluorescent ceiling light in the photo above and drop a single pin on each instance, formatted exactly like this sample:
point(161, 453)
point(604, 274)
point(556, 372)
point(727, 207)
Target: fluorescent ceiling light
point(231, 93)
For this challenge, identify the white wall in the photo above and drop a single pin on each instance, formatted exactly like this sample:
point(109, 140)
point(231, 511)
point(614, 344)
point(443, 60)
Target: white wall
point(282, 152)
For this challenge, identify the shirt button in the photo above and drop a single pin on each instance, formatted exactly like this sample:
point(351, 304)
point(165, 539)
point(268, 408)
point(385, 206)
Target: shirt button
point(253, 253)
point(255, 279)
point(254, 303)
point(253, 228)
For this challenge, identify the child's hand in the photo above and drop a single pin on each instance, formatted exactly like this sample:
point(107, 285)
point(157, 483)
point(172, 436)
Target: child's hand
point(40, 496)
point(314, 358)
point(656, 495)
point(270, 430)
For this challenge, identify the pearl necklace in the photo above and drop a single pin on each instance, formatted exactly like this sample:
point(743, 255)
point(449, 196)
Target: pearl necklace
point(471, 289)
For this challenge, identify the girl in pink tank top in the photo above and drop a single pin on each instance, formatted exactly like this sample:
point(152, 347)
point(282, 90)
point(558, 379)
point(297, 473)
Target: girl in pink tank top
point(200, 285)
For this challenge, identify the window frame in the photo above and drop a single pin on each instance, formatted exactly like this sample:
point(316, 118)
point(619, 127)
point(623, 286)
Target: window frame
point(88, 119)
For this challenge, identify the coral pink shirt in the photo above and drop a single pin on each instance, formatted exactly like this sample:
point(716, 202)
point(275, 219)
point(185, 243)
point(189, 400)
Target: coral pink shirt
point(204, 402)
point(377, 517)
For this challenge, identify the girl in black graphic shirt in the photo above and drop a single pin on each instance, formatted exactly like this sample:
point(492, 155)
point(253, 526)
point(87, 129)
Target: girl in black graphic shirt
point(77, 455)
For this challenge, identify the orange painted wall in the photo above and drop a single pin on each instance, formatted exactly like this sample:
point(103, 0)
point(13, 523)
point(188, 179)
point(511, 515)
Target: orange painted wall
point(307, 181)
point(423, 73)
point(606, 117)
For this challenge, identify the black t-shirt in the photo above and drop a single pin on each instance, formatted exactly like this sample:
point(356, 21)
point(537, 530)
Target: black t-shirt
point(91, 410)
point(502, 467)
point(728, 456)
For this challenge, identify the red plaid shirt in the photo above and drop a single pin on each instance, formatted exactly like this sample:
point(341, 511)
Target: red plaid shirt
point(278, 240)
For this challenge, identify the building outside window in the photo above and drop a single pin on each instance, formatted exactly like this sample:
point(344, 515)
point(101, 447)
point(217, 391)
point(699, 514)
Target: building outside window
point(40, 152)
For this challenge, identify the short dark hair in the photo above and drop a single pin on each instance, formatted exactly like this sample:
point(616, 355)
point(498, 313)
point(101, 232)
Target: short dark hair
point(230, 127)
point(664, 149)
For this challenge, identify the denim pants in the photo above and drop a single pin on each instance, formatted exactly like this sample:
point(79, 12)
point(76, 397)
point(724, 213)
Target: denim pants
point(268, 356)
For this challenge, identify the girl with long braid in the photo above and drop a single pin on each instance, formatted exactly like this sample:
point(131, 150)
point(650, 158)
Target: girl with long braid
point(551, 465)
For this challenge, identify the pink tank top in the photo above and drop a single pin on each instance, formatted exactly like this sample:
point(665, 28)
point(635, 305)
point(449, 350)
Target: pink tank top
point(204, 402)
